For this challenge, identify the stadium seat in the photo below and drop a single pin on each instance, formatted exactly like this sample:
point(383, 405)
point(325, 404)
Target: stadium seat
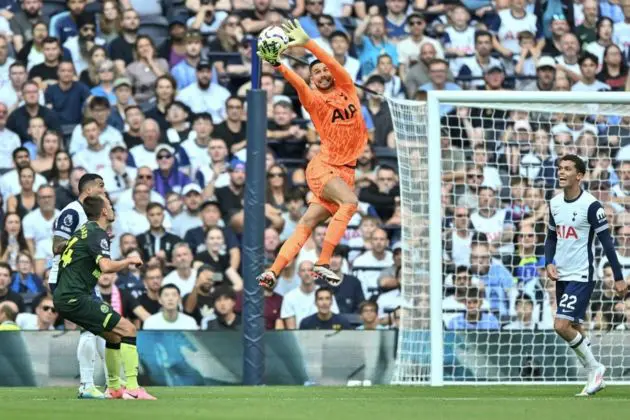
point(154, 26)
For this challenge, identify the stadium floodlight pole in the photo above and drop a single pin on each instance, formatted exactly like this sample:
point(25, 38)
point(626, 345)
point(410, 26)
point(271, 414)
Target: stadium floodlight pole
point(359, 85)
point(253, 235)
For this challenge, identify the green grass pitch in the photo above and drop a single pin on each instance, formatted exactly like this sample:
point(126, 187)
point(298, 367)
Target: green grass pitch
point(324, 403)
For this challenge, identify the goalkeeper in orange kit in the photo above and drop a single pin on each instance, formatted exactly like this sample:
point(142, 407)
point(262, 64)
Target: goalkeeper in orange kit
point(335, 110)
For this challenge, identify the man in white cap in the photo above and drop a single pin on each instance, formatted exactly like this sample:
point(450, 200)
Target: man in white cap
point(190, 217)
point(545, 76)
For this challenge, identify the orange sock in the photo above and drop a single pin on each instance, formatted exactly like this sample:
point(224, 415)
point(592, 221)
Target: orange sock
point(335, 231)
point(291, 248)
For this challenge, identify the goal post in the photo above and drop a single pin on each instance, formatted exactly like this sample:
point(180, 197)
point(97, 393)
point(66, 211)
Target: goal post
point(509, 141)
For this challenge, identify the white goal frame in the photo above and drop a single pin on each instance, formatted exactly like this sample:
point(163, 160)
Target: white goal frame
point(594, 101)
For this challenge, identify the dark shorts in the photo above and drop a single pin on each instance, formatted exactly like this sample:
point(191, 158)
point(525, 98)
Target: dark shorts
point(88, 312)
point(573, 298)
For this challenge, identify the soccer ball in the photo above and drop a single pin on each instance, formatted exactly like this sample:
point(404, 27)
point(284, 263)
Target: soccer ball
point(272, 41)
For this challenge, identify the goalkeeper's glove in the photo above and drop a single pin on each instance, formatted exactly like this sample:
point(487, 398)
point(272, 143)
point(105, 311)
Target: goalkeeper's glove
point(271, 57)
point(294, 30)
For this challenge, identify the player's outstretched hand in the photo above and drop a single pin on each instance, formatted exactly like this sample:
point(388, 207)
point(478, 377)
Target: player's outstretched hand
point(621, 288)
point(273, 59)
point(137, 261)
point(552, 272)
point(294, 30)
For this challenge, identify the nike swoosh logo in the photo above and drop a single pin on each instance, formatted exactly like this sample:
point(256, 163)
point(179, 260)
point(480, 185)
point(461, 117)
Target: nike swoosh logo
point(72, 300)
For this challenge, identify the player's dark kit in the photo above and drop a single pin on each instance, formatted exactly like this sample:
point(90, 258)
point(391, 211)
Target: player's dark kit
point(78, 274)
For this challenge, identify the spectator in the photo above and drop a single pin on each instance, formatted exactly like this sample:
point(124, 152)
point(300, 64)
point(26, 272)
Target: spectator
point(456, 302)
point(384, 194)
point(474, 67)
point(149, 298)
point(24, 21)
point(178, 118)
point(369, 316)
point(524, 314)
point(525, 63)
point(81, 44)
point(233, 129)
point(94, 158)
point(568, 60)
point(122, 91)
point(496, 279)
point(5, 60)
point(66, 98)
point(349, 293)
point(393, 86)
point(44, 317)
point(586, 32)
point(156, 244)
point(458, 239)
point(110, 20)
point(184, 71)
point(438, 70)
point(91, 75)
point(207, 20)
point(38, 224)
point(19, 118)
point(144, 71)
point(226, 319)
point(174, 48)
point(216, 257)
point(122, 48)
point(36, 129)
point(229, 38)
point(170, 318)
point(25, 281)
point(271, 309)
point(6, 294)
point(614, 72)
point(295, 207)
point(118, 176)
point(378, 111)
point(494, 78)
point(130, 278)
point(199, 303)
point(340, 45)
point(106, 76)
point(134, 118)
point(9, 141)
point(215, 175)
point(299, 303)
point(120, 300)
point(231, 196)
point(366, 266)
point(373, 44)
point(418, 73)
point(324, 318)
point(493, 222)
point(474, 318)
point(46, 73)
point(258, 19)
point(310, 21)
point(189, 218)
point(144, 177)
point(204, 95)
point(145, 154)
point(167, 176)
point(559, 27)
point(10, 92)
point(65, 24)
point(210, 213)
point(197, 147)
point(8, 316)
point(326, 26)
point(183, 276)
point(31, 54)
point(25, 200)
point(69, 193)
point(603, 40)
point(100, 110)
point(509, 22)
point(134, 220)
point(589, 67)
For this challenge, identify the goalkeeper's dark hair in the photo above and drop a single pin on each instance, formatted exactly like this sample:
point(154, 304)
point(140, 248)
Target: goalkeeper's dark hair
point(313, 64)
point(86, 180)
point(93, 207)
point(580, 166)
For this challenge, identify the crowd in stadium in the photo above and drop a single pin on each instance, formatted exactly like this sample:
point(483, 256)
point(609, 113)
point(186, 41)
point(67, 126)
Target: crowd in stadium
point(150, 94)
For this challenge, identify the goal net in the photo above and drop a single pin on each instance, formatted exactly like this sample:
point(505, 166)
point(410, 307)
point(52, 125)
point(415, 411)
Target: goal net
point(476, 172)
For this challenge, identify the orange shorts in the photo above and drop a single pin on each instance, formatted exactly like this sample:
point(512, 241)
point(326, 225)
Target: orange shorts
point(318, 173)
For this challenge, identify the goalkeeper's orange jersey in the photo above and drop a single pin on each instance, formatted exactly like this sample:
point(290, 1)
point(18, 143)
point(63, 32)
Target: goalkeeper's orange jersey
point(336, 114)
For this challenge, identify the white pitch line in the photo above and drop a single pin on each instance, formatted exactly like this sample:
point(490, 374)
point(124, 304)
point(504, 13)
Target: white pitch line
point(414, 398)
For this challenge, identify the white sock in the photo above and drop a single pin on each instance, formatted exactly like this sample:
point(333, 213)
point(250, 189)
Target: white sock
point(86, 354)
point(582, 348)
point(100, 349)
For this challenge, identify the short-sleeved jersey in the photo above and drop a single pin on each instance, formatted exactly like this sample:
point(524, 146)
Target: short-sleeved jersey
point(576, 223)
point(69, 220)
point(78, 267)
point(336, 114)
point(507, 27)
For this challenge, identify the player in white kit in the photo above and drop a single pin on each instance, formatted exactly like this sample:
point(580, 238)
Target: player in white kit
point(70, 219)
point(575, 217)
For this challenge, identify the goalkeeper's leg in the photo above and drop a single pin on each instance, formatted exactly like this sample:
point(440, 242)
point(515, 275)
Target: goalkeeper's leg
point(338, 191)
point(315, 214)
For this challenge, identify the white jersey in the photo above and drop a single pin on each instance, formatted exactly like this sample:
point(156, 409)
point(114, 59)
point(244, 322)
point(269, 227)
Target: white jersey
point(508, 27)
point(576, 223)
point(493, 227)
point(70, 219)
